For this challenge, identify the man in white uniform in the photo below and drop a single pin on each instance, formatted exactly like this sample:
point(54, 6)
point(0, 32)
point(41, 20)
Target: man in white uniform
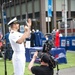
point(17, 43)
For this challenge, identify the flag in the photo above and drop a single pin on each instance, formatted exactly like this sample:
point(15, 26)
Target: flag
point(49, 8)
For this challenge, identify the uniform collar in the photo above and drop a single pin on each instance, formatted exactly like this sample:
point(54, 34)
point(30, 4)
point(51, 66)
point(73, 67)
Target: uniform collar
point(12, 31)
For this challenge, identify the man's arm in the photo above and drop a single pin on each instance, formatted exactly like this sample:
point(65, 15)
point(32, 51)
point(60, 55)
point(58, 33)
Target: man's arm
point(32, 61)
point(26, 33)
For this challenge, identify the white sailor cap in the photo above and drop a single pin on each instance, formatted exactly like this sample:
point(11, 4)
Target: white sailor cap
point(14, 20)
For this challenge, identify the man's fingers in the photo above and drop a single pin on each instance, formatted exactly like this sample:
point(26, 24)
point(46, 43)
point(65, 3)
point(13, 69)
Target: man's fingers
point(26, 28)
point(29, 22)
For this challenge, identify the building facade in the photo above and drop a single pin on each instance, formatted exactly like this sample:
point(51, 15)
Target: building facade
point(37, 11)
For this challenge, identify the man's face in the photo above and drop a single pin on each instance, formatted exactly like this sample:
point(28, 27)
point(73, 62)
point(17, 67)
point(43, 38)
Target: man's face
point(16, 26)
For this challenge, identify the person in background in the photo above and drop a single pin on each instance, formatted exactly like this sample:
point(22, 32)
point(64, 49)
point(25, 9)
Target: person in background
point(32, 38)
point(17, 43)
point(60, 34)
point(46, 37)
point(9, 51)
point(44, 68)
point(1, 44)
point(1, 36)
point(53, 31)
point(6, 37)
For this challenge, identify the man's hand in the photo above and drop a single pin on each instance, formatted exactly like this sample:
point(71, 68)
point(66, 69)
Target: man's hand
point(29, 22)
point(32, 61)
point(35, 55)
point(26, 28)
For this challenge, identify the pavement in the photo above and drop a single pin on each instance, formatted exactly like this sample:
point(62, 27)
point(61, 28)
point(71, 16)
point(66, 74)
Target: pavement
point(68, 71)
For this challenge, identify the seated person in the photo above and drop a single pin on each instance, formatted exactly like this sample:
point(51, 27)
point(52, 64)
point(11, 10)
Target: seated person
point(44, 68)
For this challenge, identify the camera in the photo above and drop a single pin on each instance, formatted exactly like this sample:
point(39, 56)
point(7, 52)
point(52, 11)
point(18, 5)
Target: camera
point(22, 22)
point(46, 53)
point(47, 46)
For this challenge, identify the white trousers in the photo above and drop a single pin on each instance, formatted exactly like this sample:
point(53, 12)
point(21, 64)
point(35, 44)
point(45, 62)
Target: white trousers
point(19, 63)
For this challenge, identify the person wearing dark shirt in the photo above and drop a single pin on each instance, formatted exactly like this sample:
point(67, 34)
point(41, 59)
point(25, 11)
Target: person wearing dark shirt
point(43, 68)
point(6, 38)
point(32, 38)
point(9, 51)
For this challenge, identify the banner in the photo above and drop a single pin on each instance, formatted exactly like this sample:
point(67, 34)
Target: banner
point(49, 8)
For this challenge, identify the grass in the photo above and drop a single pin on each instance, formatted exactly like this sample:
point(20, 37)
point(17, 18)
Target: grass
point(70, 63)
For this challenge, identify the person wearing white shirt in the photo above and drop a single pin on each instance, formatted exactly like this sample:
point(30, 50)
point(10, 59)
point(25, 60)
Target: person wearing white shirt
point(17, 43)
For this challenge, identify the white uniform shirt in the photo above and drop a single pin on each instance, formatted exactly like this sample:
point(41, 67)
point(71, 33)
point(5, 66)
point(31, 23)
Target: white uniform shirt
point(13, 37)
point(18, 57)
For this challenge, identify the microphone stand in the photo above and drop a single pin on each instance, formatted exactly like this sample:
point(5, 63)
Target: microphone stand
point(5, 59)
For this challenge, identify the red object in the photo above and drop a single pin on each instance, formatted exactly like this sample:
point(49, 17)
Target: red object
point(57, 39)
point(56, 56)
point(1, 44)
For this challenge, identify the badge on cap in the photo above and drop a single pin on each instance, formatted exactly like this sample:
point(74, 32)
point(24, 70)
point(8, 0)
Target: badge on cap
point(12, 21)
